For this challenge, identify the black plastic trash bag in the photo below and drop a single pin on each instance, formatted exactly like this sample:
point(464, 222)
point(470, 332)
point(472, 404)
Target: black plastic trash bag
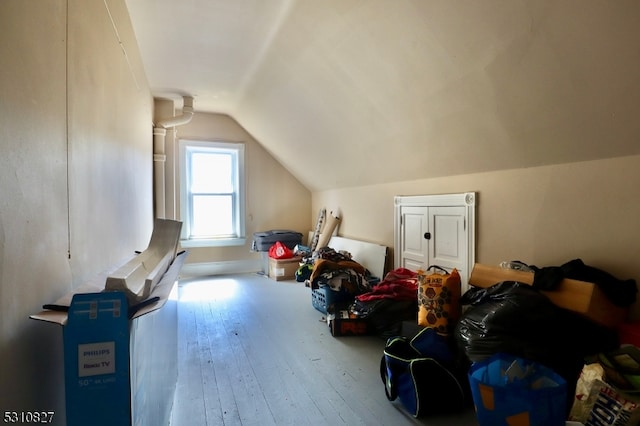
point(386, 315)
point(517, 319)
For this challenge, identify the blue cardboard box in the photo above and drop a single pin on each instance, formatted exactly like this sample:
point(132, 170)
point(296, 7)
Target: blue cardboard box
point(96, 360)
point(111, 350)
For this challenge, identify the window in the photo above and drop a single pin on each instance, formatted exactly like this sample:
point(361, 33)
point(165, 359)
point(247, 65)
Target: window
point(211, 193)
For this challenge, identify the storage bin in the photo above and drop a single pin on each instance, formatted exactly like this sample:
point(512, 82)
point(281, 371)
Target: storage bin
point(262, 241)
point(508, 390)
point(326, 300)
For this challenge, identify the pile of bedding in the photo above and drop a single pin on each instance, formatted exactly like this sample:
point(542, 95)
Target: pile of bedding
point(339, 272)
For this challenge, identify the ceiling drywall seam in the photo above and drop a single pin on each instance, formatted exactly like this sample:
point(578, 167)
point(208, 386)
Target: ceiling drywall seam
point(66, 124)
point(282, 15)
point(124, 51)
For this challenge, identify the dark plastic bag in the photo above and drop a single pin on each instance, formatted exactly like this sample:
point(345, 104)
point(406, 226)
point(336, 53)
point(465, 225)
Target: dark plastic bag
point(517, 319)
point(507, 317)
point(386, 315)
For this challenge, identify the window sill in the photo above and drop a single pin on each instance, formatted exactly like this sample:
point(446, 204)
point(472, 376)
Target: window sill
point(213, 242)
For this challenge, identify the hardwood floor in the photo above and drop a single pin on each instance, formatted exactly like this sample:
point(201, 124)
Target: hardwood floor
point(253, 351)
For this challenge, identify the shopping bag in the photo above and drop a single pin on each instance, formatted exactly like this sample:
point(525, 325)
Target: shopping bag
point(611, 407)
point(513, 391)
point(602, 403)
point(582, 405)
point(439, 299)
point(279, 251)
point(419, 373)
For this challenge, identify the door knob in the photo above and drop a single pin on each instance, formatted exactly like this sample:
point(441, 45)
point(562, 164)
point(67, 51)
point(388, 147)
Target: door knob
point(427, 235)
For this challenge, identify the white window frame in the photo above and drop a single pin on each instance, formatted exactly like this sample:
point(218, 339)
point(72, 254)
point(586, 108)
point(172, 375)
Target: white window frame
point(185, 146)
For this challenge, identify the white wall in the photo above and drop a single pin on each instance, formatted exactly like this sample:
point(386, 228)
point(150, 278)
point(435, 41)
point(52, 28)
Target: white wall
point(543, 216)
point(76, 185)
point(75, 174)
point(384, 91)
point(275, 199)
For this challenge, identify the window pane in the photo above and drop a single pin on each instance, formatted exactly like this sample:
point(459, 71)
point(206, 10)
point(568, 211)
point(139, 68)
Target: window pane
point(211, 172)
point(212, 216)
point(211, 193)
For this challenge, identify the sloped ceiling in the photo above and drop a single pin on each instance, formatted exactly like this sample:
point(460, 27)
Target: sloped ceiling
point(360, 92)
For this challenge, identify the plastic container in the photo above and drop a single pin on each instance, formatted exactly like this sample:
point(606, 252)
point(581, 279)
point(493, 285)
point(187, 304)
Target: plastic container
point(515, 391)
point(326, 300)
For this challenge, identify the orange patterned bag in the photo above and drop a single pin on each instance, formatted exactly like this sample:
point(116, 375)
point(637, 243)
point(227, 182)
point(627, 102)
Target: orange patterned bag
point(439, 299)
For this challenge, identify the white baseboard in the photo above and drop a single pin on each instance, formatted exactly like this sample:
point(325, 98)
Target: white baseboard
point(190, 270)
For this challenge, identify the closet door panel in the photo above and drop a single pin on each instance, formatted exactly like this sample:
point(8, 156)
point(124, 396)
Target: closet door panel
point(413, 245)
point(448, 243)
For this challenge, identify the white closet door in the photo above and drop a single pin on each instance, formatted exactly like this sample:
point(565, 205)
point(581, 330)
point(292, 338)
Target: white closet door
point(448, 242)
point(436, 230)
point(413, 245)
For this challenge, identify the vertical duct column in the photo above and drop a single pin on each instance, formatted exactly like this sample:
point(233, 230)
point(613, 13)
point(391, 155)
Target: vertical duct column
point(159, 156)
point(159, 160)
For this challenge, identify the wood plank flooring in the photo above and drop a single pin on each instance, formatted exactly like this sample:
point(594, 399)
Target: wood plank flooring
point(254, 351)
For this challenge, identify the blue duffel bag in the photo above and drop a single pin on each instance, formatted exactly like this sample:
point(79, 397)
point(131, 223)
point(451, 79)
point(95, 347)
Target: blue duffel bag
point(419, 373)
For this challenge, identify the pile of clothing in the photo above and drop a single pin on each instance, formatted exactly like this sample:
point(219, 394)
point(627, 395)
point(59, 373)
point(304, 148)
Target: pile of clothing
point(339, 272)
point(389, 303)
point(385, 304)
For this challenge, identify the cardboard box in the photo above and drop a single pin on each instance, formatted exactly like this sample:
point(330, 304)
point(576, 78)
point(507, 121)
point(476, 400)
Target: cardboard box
point(102, 347)
point(344, 324)
point(120, 353)
point(283, 269)
point(581, 297)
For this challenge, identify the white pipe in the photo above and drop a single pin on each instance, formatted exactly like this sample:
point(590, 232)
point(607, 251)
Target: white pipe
point(187, 115)
point(159, 157)
point(159, 160)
